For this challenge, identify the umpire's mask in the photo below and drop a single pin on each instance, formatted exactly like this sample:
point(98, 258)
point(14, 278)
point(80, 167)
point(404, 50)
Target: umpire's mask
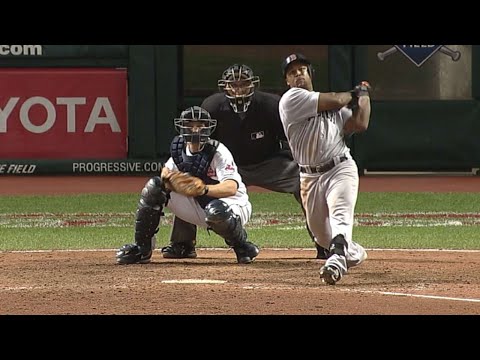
point(238, 84)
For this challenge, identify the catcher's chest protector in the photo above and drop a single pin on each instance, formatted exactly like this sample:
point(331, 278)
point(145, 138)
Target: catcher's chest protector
point(197, 165)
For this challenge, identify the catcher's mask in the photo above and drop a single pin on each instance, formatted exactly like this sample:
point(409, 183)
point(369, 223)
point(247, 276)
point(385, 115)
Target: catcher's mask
point(293, 58)
point(238, 84)
point(195, 125)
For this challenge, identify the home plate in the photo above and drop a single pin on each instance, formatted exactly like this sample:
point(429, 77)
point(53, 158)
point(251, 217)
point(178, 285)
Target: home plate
point(193, 281)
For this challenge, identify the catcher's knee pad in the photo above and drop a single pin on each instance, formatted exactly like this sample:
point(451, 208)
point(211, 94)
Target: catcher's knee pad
point(224, 222)
point(219, 217)
point(154, 194)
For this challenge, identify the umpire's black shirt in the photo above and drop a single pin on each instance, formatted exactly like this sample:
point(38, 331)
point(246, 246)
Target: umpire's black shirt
point(255, 137)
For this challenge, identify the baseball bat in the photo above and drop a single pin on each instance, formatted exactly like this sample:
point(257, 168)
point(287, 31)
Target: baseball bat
point(382, 55)
point(455, 55)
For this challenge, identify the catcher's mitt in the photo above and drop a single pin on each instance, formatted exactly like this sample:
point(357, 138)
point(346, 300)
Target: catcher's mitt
point(184, 183)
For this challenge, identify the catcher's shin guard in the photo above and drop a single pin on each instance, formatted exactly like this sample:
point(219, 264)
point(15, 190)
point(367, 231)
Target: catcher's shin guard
point(147, 220)
point(227, 224)
point(182, 240)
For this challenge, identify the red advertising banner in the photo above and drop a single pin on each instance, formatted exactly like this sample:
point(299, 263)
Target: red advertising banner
point(63, 113)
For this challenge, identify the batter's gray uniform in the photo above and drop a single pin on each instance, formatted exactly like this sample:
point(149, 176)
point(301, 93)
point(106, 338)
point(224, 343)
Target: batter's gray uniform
point(328, 174)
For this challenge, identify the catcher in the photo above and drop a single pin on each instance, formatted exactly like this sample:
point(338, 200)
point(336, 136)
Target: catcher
point(200, 184)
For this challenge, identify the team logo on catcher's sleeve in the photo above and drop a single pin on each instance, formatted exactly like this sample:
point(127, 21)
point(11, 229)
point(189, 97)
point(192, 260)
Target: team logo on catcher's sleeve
point(229, 167)
point(419, 54)
point(211, 173)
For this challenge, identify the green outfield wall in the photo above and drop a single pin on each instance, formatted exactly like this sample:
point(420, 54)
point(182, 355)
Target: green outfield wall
point(109, 109)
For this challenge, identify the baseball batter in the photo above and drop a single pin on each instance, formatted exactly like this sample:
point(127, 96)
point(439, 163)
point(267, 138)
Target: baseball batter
point(316, 125)
point(223, 205)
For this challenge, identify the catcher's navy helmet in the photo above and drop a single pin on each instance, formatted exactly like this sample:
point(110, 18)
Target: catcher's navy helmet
point(187, 125)
point(238, 83)
point(293, 58)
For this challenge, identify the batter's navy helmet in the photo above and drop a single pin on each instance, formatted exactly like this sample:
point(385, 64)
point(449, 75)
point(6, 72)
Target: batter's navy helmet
point(296, 57)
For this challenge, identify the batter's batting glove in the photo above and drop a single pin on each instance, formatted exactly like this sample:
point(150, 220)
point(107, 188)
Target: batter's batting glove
point(362, 89)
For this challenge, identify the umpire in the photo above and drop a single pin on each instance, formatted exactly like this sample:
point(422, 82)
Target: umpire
point(248, 123)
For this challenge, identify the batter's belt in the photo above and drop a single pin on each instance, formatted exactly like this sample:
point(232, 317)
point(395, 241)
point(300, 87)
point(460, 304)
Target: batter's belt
point(323, 168)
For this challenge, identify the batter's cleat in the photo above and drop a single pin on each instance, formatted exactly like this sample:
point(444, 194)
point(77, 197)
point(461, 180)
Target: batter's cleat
point(352, 263)
point(133, 254)
point(246, 253)
point(322, 253)
point(330, 274)
point(179, 251)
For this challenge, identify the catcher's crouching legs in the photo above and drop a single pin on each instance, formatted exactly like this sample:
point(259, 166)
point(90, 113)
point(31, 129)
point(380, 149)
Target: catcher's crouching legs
point(147, 220)
point(227, 224)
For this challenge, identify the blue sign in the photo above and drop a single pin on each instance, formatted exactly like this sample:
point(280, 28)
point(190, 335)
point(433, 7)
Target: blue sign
point(418, 54)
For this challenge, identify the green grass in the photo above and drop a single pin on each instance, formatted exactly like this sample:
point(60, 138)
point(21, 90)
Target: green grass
point(418, 202)
point(106, 221)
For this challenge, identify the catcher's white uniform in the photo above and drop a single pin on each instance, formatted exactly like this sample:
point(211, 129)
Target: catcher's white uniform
point(221, 168)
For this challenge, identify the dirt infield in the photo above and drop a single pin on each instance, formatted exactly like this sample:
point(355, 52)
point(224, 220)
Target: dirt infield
point(278, 282)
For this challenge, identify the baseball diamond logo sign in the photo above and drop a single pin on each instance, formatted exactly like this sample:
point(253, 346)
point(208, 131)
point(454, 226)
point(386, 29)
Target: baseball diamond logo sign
point(418, 54)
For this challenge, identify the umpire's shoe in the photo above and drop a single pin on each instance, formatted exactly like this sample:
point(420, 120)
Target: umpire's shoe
point(179, 251)
point(246, 252)
point(133, 254)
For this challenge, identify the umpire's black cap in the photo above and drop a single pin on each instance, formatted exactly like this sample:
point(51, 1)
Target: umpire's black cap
point(292, 58)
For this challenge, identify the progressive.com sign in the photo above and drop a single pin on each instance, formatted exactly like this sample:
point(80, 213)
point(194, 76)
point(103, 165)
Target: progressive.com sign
point(63, 113)
point(21, 50)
